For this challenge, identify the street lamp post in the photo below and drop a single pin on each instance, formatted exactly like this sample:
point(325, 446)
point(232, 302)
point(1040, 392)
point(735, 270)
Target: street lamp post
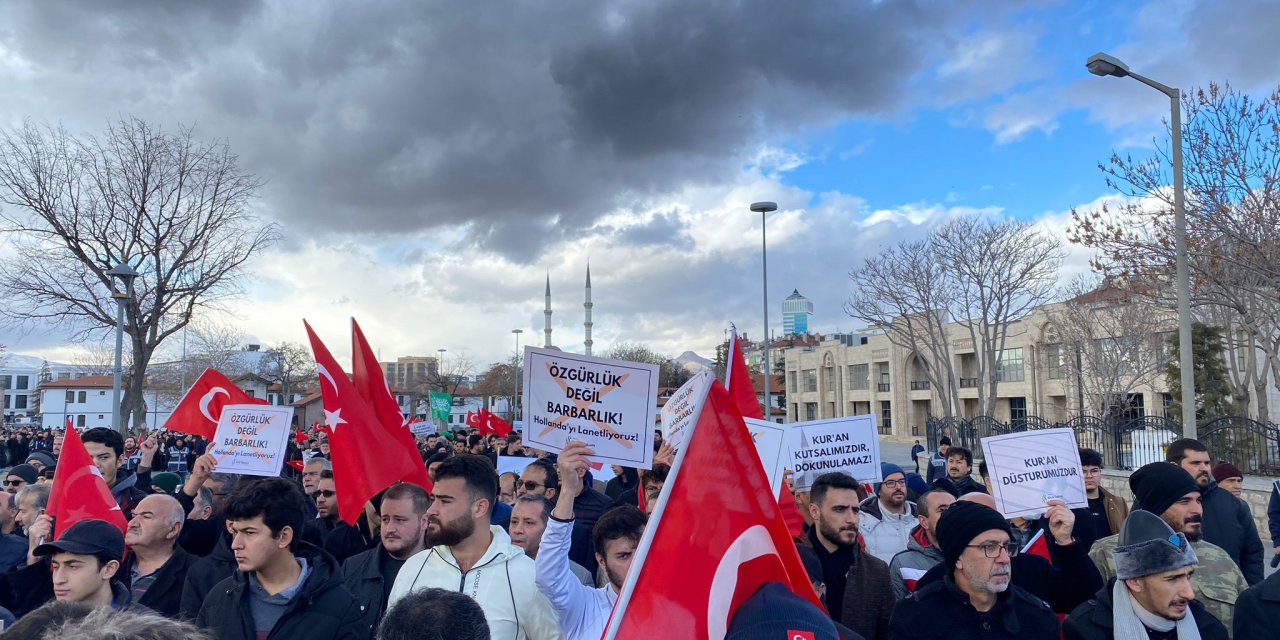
point(515, 375)
point(440, 370)
point(764, 208)
point(1101, 64)
point(126, 275)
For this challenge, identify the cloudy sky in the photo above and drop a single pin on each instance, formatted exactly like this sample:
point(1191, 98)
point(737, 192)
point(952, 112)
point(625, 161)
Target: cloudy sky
point(432, 162)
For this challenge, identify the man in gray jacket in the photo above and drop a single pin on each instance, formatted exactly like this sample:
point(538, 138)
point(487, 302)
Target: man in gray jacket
point(922, 551)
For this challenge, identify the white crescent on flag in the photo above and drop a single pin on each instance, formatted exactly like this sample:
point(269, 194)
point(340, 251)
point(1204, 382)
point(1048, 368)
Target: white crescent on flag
point(754, 543)
point(208, 398)
point(324, 373)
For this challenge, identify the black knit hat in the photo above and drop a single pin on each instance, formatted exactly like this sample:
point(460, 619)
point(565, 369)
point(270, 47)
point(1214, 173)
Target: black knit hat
point(24, 471)
point(961, 523)
point(1158, 485)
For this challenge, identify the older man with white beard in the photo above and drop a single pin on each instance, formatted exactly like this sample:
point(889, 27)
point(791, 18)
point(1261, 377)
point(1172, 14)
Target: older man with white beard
point(975, 599)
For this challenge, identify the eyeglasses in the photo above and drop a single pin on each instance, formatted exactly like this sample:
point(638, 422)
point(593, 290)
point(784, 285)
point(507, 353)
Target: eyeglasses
point(892, 484)
point(1092, 472)
point(327, 494)
point(992, 549)
point(530, 485)
point(14, 483)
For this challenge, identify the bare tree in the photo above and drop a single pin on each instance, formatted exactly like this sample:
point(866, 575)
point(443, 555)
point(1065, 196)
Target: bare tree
point(979, 274)
point(99, 359)
point(173, 208)
point(1231, 147)
point(670, 372)
point(290, 365)
point(1111, 343)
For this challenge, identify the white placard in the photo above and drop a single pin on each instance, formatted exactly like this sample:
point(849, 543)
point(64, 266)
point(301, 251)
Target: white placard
point(1029, 468)
point(681, 408)
point(848, 444)
point(515, 464)
point(423, 428)
point(251, 439)
point(770, 440)
point(608, 404)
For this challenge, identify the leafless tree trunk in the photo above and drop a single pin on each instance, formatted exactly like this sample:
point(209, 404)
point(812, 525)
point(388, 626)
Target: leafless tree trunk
point(290, 365)
point(173, 208)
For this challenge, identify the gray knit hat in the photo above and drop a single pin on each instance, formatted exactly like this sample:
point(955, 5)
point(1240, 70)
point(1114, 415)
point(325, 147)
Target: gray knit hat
point(1147, 546)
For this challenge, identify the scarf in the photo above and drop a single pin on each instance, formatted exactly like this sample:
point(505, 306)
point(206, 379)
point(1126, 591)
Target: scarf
point(1132, 621)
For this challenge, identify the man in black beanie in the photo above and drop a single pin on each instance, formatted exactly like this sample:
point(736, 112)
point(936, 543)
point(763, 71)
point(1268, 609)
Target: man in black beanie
point(1170, 492)
point(1151, 597)
point(975, 598)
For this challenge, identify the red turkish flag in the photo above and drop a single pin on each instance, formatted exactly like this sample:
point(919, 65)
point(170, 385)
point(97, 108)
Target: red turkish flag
point(693, 572)
point(1038, 546)
point(366, 459)
point(198, 411)
point(495, 425)
point(475, 421)
point(737, 379)
point(301, 437)
point(367, 377)
point(79, 492)
point(297, 464)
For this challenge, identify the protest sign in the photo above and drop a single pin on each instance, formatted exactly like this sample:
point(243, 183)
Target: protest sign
point(680, 410)
point(423, 427)
point(514, 464)
point(251, 439)
point(846, 444)
point(608, 404)
point(1029, 468)
point(770, 440)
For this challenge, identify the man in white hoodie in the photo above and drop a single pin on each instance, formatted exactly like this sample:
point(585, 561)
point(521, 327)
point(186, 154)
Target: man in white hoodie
point(583, 612)
point(468, 555)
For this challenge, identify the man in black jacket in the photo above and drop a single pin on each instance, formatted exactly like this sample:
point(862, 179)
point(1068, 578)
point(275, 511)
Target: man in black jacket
point(959, 479)
point(156, 568)
point(1227, 521)
point(1258, 611)
point(369, 575)
point(284, 589)
point(1151, 595)
point(975, 598)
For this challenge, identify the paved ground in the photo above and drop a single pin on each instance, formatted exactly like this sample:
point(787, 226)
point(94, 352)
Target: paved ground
point(897, 453)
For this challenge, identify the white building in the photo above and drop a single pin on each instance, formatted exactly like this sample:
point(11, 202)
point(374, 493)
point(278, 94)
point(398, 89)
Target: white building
point(20, 378)
point(87, 402)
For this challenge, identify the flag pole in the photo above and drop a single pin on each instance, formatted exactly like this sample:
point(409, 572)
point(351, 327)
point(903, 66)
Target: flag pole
point(651, 530)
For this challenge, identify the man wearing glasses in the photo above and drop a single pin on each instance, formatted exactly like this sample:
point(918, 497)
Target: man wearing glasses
point(340, 539)
point(975, 598)
point(1109, 508)
point(886, 518)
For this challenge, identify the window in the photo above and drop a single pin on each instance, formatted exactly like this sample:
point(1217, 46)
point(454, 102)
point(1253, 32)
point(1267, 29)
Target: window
point(810, 411)
point(1118, 354)
point(80, 420)
point(791, 380)
point(5, 381)
point(82, 397)
point(882, 373)
point(1017, 410)
point(1009, 366)
point(828, 373)
point(858, 377)
point(102, 393)
point(19, 402)
point(886, 417)
point(71, 396)
point(1053, 360)
point(810, 379)
point(23, 381)
point(6, 402)
point(1135, 407)
point(249, 392)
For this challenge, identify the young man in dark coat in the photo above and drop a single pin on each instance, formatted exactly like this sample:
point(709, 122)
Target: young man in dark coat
point(284, 589)
point(1151, 596)
point(1258, 611)
point(105, 447)
point(975, 599)
point(369, 575)
point(959, 478)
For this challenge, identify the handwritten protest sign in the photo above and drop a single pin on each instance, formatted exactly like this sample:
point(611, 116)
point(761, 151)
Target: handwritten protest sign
point(846, 444)
point(251, 439)
point(678, 413)
point(1030, 468)
point(608, 404)
point(770, 440)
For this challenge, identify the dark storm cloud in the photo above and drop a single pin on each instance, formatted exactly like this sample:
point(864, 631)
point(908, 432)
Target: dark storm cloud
point(525, 121)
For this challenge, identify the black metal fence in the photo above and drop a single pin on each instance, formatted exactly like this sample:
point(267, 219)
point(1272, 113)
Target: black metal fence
point(1128, 443)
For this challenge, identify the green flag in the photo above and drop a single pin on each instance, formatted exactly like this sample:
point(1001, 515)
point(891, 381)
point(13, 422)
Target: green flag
point(441, 405)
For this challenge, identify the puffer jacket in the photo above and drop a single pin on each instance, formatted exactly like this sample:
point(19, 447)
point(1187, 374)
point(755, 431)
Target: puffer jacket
point(885, 533)
point(502, 581)
point(908, 567)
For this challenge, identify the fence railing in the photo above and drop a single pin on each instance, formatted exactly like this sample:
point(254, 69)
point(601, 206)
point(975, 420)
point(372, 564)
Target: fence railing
point(1128, 443)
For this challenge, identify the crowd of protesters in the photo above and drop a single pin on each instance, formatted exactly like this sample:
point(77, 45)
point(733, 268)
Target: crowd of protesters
point(543, 552)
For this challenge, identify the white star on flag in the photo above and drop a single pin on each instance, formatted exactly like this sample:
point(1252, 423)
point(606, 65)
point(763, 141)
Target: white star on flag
point(333, 418)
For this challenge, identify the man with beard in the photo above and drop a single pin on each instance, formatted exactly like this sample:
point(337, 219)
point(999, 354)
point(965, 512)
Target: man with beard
point(369, 575)
point(469, 555)
point(922, 553)
point(959, 479)
point(1169, 492)
point(1151, 596)
point(886, 518)
point(581, 611)
point(858, 591)
point(975, 598)
point(528, 524)
point(1227, 520)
